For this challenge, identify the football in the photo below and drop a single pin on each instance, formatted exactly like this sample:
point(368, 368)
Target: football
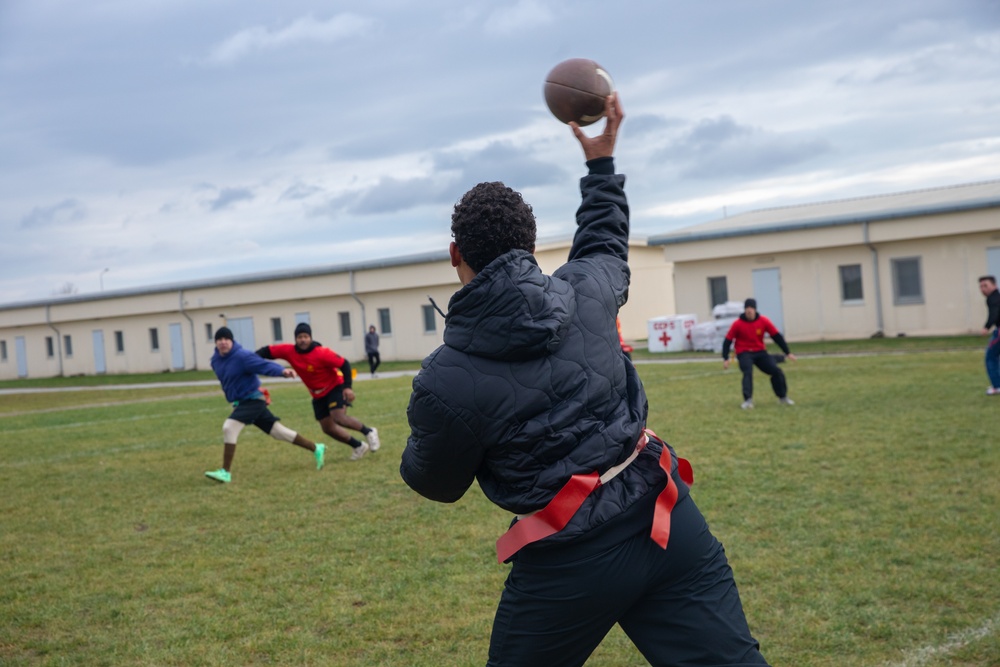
point(575, 90)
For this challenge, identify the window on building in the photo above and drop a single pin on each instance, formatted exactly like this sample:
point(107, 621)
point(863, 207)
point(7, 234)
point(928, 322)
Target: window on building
point(345, 324)
point(850, 283)
point(3, 350)
point(50, 350)
point(119, 342)
point(907, 286)
point(154, 339)
point(276, 329)
point(209, 334)
point(430, 320)
point(384, 321)
point(718, 290)
point(68, 345)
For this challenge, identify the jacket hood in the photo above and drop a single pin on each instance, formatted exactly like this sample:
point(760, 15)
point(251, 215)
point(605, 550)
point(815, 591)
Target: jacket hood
point(510, 311)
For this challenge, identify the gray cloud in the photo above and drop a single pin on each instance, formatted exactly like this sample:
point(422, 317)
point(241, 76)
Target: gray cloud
point(722, 148)
point(306, 29)
point(500, 161)
point(65, 212)
point(228, 197)
point(389, 195)
point(648, 125)
point(102, 254)
point(299, 191)
point(453, 174)
point(522, 15)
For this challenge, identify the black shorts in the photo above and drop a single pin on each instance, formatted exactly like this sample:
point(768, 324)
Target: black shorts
point(254, 411)
point(332, 400)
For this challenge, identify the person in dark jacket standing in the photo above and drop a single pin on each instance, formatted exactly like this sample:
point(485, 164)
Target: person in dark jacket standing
point(747, 332)
point(531, 396)
point(237, 369)
point(988, 286)
point(371, 349)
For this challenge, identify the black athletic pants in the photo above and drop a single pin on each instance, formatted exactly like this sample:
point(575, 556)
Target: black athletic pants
point(767, 364)
point(679, 606)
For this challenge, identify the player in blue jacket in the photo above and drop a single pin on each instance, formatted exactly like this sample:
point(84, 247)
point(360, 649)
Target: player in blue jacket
point(237, 370)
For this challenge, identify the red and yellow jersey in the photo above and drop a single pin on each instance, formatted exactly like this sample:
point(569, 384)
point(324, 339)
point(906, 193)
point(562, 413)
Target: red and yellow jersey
point(621, 339)
point(748, 336)
point(319, 368)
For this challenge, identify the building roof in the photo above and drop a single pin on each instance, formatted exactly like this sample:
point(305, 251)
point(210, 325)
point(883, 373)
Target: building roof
point(930, 201)
point(283, 274)
point(286, 274)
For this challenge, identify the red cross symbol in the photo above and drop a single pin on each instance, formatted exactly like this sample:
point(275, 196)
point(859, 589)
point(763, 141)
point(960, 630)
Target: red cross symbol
point(665, 339)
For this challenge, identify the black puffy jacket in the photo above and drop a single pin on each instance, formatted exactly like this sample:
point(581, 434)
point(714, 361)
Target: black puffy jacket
point(531, 385)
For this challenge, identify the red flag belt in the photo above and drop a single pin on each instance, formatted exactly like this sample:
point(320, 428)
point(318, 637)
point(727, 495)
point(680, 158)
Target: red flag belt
point(553, 517)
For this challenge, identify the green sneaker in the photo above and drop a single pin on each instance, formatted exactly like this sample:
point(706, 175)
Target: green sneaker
point(319, 453)
point(220, 475)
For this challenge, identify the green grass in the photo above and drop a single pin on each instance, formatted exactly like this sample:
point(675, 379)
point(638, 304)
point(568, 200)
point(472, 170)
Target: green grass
point(900, 345)
point(167, 376)
point(839, 347)
point(862, 524)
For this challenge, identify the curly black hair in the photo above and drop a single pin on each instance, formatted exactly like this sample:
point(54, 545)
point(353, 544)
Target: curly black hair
point(490, 220)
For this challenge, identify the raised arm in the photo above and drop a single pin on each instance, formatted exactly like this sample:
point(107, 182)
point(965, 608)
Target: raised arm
point(261, 366)
point(603, 217)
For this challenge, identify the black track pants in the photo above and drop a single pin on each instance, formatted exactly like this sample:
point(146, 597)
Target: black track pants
point(766, 363)
point(680, 606)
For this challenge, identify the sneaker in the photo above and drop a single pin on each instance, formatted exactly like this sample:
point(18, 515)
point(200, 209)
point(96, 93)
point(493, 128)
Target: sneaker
point(786, 401)
point(359, 451)
point(992, 391)
point(373, 441)
point(220, 475)
point(319, 453)
point(747, 404)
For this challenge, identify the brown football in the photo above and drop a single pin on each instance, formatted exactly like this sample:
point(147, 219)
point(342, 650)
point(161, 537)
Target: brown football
point(575, 90)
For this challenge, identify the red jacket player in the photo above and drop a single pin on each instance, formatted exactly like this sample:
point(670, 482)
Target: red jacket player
point(748, 334)
point(327, 375)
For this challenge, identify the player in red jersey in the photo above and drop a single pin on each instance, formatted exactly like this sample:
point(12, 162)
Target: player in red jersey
point(327, 375)
point(748, 334)
point(626, 348)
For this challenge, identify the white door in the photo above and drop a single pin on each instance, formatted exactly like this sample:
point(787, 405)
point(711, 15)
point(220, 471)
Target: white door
point(176, 347)
point(21, 352)
point(767, 291)
point(242, 328)
point(100, 363)
point(993, 262)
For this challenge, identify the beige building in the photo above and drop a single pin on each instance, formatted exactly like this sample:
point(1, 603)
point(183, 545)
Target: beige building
point(899, 264)
point(171, 327)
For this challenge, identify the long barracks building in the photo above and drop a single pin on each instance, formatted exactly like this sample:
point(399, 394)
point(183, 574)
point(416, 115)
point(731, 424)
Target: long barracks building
point(898, 264)
point(171, 327)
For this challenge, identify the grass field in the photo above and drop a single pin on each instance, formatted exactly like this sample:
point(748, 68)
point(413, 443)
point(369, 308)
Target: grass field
point(863, 524)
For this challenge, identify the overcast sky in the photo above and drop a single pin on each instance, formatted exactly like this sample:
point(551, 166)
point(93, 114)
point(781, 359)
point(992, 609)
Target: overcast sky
point(173, 140)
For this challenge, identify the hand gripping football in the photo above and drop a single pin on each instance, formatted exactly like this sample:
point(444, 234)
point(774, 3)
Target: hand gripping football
point(575, 90)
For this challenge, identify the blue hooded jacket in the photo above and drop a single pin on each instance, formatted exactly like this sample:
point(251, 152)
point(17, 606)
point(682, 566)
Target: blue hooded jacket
point(238, 371)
